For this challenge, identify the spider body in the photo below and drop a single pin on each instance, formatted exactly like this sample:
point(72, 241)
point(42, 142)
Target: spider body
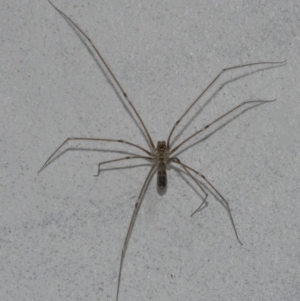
point(161, 155)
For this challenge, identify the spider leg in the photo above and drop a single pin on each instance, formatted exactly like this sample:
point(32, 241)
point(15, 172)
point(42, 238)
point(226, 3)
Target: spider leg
point(120, 159)
point(216, 120)
point(209, 85)
point(217, 192)
point(149, 138)
point(92, 139)
point(134, 215)
point(176, 160)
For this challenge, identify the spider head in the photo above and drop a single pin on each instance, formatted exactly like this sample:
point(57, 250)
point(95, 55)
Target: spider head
point(161, 146)
point(162, 153)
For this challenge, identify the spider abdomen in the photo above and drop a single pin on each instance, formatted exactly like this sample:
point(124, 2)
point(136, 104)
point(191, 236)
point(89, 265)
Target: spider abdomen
point(161, 176)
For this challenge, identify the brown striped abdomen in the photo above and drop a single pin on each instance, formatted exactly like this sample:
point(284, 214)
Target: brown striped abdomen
point(161, 176)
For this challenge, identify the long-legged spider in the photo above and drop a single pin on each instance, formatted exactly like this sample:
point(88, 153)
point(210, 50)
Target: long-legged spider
point(162, 154)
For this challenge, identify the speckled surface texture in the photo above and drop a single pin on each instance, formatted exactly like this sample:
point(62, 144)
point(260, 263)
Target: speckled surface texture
point(62, 231)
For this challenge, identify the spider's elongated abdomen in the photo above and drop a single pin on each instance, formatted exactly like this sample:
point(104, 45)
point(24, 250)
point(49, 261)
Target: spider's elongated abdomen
point(161, 176)
point(162, 158)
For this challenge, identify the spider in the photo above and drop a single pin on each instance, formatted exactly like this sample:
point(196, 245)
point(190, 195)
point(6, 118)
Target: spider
point(161, 155)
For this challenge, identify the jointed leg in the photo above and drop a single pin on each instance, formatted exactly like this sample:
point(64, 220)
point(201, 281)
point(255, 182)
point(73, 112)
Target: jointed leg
point(218, 193)
point(134, 215)
point(211, 83)
point(110, 72)
point(120, 159)
point(216, 120)
point(92, 139)
point(176, 160)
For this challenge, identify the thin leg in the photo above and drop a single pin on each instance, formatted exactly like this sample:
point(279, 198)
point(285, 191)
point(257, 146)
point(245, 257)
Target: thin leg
point(219, 194)
point(134, 215)
point(110, 72)
point(216, 120)
point(211, 83)
point(92, 139)
point(120, 159)
point(176, 160)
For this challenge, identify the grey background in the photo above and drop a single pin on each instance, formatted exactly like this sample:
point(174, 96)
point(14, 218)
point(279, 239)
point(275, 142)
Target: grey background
point(61, 232)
